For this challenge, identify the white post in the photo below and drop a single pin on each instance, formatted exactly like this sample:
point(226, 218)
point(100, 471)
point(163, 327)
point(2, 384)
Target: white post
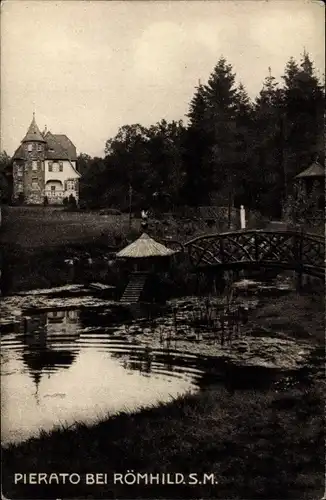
point(242, 217)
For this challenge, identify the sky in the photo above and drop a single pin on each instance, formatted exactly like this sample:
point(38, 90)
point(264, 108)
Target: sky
point(87, 68)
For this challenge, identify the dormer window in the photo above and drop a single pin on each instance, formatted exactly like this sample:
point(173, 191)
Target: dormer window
point(30, 147)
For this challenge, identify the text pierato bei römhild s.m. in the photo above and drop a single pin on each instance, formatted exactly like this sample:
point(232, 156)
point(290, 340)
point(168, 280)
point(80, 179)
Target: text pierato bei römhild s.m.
point(127, 478)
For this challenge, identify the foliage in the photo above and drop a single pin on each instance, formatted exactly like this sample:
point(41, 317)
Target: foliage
point(5, 177)
point(303, 206)
point(233, 151)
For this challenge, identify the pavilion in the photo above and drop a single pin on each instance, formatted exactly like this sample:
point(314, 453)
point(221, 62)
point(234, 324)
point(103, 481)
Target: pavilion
point(148, 257)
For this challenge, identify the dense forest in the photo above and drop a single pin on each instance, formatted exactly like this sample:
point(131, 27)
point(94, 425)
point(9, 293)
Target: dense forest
point(233, 150)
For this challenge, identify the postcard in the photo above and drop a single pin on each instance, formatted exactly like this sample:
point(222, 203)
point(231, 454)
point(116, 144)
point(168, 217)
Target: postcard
point(162, 249)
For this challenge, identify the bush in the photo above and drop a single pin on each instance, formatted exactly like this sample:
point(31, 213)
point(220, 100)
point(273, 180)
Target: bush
point(72, 201)
point(21, 199)
point(110, 211)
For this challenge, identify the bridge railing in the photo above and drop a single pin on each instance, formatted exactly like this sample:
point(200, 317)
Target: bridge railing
point(284, 248)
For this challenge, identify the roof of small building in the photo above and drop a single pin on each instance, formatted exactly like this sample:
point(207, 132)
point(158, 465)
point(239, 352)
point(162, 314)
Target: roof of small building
point(315, 170)
point(33, 132)
point(145, 246)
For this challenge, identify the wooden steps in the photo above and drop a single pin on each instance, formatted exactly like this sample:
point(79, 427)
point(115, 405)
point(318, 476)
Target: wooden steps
point(134, 288)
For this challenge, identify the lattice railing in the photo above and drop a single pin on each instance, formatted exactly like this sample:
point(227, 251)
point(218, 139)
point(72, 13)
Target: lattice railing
point(259, 247)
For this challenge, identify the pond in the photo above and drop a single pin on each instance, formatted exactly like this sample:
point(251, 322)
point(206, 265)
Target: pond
point(79, 358)
point(59, 366)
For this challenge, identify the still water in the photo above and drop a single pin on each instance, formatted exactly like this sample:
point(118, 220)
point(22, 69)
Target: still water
point(66, 365)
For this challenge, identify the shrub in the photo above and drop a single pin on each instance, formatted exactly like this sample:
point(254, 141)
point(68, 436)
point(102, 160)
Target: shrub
point(110, 211)
point(72, 201)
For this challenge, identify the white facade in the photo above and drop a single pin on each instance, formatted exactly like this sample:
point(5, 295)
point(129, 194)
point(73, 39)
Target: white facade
point(60, 179)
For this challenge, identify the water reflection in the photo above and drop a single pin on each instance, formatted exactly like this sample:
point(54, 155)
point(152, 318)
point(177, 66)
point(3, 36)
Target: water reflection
point(65, 365)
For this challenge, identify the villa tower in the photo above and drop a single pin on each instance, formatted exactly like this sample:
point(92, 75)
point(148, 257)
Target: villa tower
point(44, 167)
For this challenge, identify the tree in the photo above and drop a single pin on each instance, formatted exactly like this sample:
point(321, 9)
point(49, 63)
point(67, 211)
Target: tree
point(84, 163)
point(165, 150)
point(223, 103)
point(243, 147)
point(197, 109)
point(5, 177)
point(304, 99)
point(196, 145)
point(267, 162)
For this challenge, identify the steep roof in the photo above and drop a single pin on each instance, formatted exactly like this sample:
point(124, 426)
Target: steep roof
point(315, 170)
point(145, 247)
point(19, 154)
point(33, 132)
point(54, 149)
point(68, 146)
point(59, 147)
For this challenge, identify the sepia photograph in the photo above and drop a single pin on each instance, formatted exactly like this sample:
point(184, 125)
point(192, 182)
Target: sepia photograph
point(162, 249)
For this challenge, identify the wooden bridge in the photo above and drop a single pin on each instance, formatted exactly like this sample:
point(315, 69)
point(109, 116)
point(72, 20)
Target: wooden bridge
point(298, 251)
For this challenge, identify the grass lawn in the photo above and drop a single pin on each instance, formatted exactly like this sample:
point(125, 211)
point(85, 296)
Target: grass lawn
point(258, 446)
point(33, 227)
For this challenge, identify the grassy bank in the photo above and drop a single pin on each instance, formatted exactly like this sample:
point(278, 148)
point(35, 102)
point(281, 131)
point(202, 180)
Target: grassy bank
point(258, 445)
point(34, 227)
point(35, 241)
point(297, 316)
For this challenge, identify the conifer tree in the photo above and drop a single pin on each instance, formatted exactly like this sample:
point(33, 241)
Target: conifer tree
point(197, 143)
point(303, 114)
point(268, 176)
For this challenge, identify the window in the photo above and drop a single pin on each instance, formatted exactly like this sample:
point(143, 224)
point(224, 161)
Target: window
point(39, 164)
point(19, 187)
point(55, 167)
point(19, 171)
point(52, 188)
point(50, 166)
point(30, 147)
point(34, 165)
point(39, 147)
point(60, 166)
point(70, 185)
point(35, 184)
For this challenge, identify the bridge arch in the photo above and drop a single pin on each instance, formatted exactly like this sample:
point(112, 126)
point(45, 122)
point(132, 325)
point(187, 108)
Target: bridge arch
point(294, 250)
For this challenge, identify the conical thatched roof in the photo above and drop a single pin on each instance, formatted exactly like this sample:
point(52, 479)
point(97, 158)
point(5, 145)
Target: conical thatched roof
point(145, 247)
point(315, 170)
